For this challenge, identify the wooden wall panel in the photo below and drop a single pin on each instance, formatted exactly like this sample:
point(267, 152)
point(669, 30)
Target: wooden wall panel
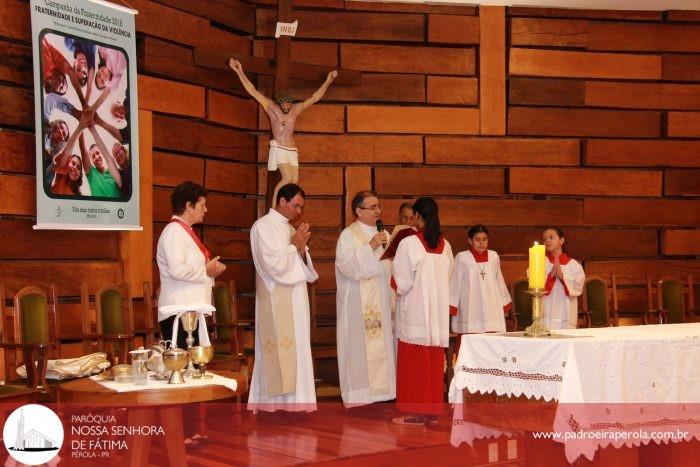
point(453, 29)
point(590, 14)
point(230, 245)
point(19, 195)
point(232, 111)
point(548, 32)
point(175, 61)
point(683, 15)
point(17, 107)
point(16, 63)
point(583, 122)
point(230, 177)
point(356, 179)
point(14, 20)
point(320, 118)
point(374, 87)
point(452, 90)
point(680, 67)
point(492, 63)
point(500, 151)
point(322, 180)
point(222, 210)
point(158, 20)
point(172, 169)
point(353, 149)
point(323, 242)
point(17, 152)
point(591, 182)
point(560, 63)
point(533, 91)
point(656, 212)
point(391, 119)
point(165, 96)
point(236, 14)
point(455, 212)
point(643, 95)
point(199, 138)
point(243, 274)
point(411, 7)
point(307, 3)
point(684, 124)
point(66, 275)
point(21, 241)
point(407, 59)
point(680, 242)
point(438, 181)
point(644, 37)
point(348, 25)
point(643, 153)
point(315, 53)
point(322, 212)
point(682, 183)
point(326, 276)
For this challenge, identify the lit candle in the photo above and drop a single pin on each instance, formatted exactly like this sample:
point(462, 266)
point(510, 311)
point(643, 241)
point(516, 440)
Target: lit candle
point(536, 271)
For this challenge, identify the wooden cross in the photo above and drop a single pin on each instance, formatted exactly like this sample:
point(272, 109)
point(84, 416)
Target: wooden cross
point(282, 68)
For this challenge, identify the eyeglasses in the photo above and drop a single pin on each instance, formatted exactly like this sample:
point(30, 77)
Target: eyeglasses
point(374, 207)
point(300, 207)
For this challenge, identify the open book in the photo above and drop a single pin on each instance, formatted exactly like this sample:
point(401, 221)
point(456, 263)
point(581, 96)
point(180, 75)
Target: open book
point(399, 233)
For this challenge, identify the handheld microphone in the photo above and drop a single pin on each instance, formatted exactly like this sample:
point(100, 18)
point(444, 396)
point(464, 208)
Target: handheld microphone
point(380, 228)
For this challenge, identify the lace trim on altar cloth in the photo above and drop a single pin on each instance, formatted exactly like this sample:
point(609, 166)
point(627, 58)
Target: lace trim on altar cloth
point(512, 374)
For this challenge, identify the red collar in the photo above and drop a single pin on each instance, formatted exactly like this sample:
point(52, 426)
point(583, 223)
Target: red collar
point(437, 250)
point(480, 257)
point(194, 236)
point(563, 258)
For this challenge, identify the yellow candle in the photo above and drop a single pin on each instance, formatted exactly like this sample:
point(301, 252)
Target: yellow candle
point(536, 271)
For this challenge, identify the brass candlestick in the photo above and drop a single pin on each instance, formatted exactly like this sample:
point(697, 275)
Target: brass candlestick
point(536, 329)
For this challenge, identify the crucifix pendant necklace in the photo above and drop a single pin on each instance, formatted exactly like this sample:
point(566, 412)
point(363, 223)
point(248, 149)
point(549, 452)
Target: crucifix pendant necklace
point(482, 273)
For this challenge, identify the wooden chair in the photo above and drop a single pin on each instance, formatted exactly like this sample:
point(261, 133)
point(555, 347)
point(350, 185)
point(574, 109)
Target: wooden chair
point(151, 315)
point(671, 299)
point(33, 337)
point(617, 312)
point(114, 321)
point(225, 329)
point(522, 304)
point(596, 303)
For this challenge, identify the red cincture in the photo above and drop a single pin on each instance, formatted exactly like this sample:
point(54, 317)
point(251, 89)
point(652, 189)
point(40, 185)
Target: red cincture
point(194, 236)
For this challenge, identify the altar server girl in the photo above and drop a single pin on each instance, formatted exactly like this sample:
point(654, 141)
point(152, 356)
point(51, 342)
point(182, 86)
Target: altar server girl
point(478, 294)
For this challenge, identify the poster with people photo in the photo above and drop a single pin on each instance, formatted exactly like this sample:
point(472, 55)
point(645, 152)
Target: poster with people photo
point(85, 78)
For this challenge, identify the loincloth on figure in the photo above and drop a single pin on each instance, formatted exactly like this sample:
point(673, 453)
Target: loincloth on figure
point(281, 155)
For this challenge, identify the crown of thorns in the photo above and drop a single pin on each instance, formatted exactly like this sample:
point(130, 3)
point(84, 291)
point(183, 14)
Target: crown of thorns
point(284, 97)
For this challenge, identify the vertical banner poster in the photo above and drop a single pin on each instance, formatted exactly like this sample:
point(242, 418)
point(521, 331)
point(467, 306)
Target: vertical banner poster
point(87, 157)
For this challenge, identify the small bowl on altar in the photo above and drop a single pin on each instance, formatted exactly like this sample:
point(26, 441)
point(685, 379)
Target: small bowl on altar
point(123, 373)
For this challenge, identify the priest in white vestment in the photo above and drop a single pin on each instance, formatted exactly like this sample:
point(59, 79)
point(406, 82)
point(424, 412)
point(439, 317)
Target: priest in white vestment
point(565, 281)
point(283, 377)
point(363, 308)
point(186, 269)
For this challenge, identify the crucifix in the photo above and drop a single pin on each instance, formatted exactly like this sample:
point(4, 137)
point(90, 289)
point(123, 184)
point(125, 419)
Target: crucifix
point(282, 113)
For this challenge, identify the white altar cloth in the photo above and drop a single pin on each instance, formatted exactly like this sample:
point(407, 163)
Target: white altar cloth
point(617, 378)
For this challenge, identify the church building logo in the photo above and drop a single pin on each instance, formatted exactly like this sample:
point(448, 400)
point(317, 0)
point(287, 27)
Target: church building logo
point(33, 434)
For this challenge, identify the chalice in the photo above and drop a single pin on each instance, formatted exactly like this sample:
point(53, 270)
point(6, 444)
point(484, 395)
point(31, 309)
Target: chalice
point(189, 322)
point(175, 360)
point(202, 355)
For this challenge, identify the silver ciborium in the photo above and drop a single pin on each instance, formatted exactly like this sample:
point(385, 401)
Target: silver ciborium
point(189, 323)
point(175, 360)
point(202, 355)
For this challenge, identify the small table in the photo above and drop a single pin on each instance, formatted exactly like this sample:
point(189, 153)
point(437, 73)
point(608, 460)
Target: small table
point(168, 401)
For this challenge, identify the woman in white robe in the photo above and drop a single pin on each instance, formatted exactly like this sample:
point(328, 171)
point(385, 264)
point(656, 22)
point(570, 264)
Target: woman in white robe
point(565, 279)
point(478, 291)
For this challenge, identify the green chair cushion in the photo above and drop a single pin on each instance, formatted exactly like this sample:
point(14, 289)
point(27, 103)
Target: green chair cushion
point(597, 302)
point(35, 327)
point(523, 304)
point(112, 311)
point(672, 300)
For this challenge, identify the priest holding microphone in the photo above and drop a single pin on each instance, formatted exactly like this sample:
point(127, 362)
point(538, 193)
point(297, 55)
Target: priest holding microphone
point(364, 331)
